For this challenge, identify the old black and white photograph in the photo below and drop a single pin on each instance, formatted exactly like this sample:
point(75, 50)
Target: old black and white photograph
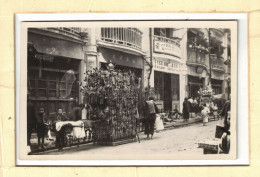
point(128, 90)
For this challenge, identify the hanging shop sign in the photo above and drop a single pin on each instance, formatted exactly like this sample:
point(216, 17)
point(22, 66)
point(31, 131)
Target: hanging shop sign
point(167, 48)
point(167, 65)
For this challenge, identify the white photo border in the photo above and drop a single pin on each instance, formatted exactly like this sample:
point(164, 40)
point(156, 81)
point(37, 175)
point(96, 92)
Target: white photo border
point(242, 91)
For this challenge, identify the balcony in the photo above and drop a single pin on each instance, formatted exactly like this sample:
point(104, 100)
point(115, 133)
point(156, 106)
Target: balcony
point(218, 65)
point(166, 45)
point(75, 33)
point(122, 37)
point(195, 58)
point(196, 62)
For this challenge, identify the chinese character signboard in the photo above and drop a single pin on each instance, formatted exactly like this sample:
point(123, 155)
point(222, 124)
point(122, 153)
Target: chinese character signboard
point(167, 48)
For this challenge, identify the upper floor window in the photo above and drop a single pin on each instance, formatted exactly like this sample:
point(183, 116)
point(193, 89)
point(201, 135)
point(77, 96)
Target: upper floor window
point(164, 32)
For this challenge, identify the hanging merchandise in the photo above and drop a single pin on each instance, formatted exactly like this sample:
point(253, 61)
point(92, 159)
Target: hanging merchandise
point(111, 97)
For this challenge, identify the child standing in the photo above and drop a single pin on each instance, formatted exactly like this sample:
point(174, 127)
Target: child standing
point(204, 113)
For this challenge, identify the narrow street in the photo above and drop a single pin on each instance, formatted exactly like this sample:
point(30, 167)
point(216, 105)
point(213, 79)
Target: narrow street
point(179, 140)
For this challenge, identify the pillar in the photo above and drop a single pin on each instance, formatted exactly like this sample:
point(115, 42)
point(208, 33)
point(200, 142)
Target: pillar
point(91, 48)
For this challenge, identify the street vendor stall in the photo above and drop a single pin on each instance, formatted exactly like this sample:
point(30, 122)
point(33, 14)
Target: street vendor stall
point(112, 98)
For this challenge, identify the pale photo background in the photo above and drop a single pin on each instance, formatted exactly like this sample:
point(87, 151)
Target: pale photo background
point(7, 83)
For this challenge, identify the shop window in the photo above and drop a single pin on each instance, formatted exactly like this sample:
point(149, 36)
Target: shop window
point(45, 82)
point(158, 85)
point(175, 87)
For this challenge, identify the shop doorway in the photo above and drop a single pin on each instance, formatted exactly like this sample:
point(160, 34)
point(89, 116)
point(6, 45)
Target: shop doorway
point(195, 83)
point(167, 93)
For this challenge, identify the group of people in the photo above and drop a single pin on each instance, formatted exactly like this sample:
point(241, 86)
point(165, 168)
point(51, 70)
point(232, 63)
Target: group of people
point(151, 110)
point(44, 125)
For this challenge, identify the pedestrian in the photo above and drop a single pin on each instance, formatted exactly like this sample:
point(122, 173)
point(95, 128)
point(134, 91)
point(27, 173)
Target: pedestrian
point(186, 110)
point(159, 123)
point(60, 133)
point(76, 112)
point(205, 111)
point(32, 117)
point(224, 145)
point(48, 124)
point(60, 116)
point(176, 114)
point(224, 111)
point(41, 128)
point(150, 111)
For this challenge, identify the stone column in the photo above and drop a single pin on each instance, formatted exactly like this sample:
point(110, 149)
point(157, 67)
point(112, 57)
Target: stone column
point(91, 48)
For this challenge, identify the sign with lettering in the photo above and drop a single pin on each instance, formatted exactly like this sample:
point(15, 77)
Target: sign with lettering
point(45, 57)
point(167, 48)
point(167, 65)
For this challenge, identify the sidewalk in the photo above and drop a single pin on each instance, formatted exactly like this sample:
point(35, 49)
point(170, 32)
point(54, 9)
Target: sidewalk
point(167, 126)
point(181, 123)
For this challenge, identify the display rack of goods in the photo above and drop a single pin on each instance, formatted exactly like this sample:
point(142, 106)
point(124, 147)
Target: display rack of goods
point(112, 98)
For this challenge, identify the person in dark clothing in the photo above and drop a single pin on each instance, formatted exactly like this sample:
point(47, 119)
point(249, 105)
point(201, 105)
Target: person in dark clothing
point(186, 110)
point(224, 112)
point(60, 137)
point(60, 116)
point(224, 145)
point(32, 117)
point(176, 112)
point(150, 111)
point(77, 112)
point(41, 127)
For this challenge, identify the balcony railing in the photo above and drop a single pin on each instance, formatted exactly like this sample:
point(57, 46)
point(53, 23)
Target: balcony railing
point(130, 37)
point(166, 40)
point(196, 59)
point(217, 63)
point(196, 62)
point(70, 32)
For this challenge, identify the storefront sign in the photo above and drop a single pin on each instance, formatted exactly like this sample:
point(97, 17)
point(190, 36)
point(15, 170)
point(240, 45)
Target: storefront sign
point(166, 65)
point(44, 57)
point(120, 58)
point(167, 48)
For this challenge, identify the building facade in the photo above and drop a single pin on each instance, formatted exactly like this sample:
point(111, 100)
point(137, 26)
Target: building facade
point(56, 64)
point(185, 60)
point(176, 62)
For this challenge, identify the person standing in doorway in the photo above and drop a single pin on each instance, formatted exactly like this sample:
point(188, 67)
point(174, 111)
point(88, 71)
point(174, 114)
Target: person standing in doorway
point(150, 110)
point(186, 110)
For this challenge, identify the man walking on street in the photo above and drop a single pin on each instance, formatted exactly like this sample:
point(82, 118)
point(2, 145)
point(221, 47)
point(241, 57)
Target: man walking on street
point(150, 110)
point(186, 110)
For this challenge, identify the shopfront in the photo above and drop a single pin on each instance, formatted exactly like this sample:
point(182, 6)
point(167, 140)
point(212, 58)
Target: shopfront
point(194, 84)
point(167, 83)
point(54, 67)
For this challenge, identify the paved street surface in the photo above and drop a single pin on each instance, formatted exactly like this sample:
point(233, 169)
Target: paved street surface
point(180, 140)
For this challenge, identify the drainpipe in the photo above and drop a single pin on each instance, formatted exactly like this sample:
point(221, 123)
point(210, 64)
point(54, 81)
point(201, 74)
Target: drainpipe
point(209, 58)
point(151, 56)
